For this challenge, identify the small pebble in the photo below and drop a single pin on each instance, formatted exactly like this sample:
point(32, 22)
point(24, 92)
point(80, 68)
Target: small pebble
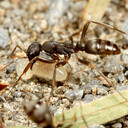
point(101, 91)
point(56, 11)
point(126, 123)
point(1, 114)
point(74, 94)
point(2, 99)
point(124, 58)
point(117, 125)
point(17, 94)
point(88, 98)
point(96, 126)
point(125, 29)
point(4, 38)
point(11, 68)
point(121, 78)
point(112, 65)
point(126, 74)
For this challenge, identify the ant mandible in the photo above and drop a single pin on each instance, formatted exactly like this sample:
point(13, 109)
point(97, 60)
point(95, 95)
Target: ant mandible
point(54, 49)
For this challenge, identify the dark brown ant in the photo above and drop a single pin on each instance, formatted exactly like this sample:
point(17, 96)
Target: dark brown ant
point(54, 49)
point(40, 113)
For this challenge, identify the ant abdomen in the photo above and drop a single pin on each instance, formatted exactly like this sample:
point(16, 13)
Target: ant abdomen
point(100, 47)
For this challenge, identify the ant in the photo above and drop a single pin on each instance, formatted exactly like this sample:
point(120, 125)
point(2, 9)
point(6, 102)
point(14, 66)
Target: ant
point(54, 50)
point(40, 113)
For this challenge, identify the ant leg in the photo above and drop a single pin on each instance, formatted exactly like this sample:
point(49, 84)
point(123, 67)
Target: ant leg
point(85, 28)
point(74, 34)
point(91, 65)
point(108, 26)
point(58, 64)
point(12, 56)
point(6, 66)
point(66, 58)
point(3, 86)
point(30, 64)
point(1, 123)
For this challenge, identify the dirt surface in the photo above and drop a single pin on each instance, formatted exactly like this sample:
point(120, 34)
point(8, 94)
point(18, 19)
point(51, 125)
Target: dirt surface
point(23, 22)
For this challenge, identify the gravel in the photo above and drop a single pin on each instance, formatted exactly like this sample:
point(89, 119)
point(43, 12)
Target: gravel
point(112, 65)
point(23, 22)
point(4, 38)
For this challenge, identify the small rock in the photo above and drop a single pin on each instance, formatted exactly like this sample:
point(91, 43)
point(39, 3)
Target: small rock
point(1, 114)
point(126, 123)
point(2, 99)
point(120, 88)
point(112, 65)
point(126, 74)
point(11, 68)
point(117, 125)
point(2, 12)
point(96, 126)
point(125, 29)
point(121, 78)
point(74, 94)
point(5, 4)
point(88, 98)
point(101, 91)
point(56, 11)
point(65, 102)
point(79, 5)
point(33, 7)
point(43, 25)
point(17, 94)
point(124, 58)
point(4, 38)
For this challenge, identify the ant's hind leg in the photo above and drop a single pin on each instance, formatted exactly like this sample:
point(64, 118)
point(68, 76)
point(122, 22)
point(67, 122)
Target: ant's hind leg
point(91, 65)
point(85, 28)
point(108, 26)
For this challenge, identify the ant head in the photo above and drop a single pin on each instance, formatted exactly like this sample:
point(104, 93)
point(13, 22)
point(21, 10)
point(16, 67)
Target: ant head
point(33, 50)
point(39, 112)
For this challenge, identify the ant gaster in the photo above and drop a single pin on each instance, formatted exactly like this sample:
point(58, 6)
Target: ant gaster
point(54, 49)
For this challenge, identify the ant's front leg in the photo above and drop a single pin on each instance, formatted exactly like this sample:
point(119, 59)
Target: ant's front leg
point(17, 46)
point(30, 65)
point(12, 56)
